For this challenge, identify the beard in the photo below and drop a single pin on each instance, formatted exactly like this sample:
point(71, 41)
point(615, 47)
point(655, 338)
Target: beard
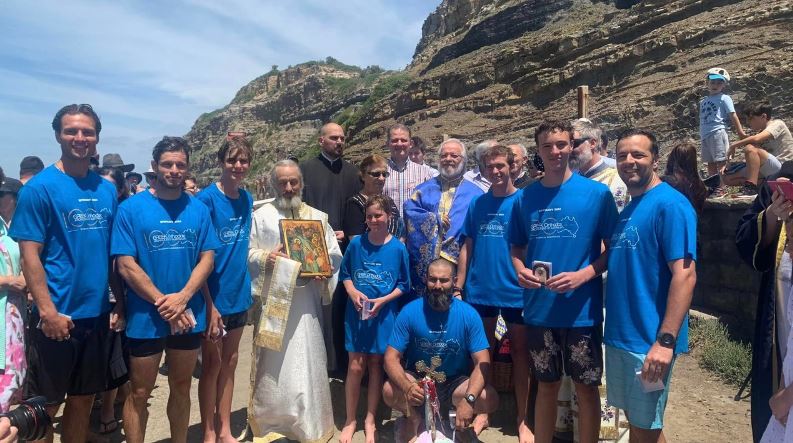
point(288, 202)
point(639, 183)
point(450, 172)
point(439, 299)
point(580, 160)
point(169, 184)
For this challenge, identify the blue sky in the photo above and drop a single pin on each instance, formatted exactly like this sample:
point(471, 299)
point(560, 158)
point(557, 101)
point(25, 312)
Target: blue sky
point(151, 68)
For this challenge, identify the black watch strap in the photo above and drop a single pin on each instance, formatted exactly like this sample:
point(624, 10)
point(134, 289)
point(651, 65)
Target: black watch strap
point(666, 340)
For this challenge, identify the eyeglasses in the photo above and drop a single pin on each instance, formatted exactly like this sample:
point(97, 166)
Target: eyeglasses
point(375, 174)
point(579, 141)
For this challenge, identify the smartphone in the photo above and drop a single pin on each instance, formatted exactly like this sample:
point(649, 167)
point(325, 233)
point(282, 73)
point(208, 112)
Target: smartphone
point(366, 310)
point(785, 187)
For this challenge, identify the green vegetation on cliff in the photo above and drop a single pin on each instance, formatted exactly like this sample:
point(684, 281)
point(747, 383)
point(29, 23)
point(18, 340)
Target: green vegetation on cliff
point(385, 86)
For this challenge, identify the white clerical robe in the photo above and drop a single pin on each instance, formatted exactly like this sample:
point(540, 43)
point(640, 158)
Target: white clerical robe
point(290, 392)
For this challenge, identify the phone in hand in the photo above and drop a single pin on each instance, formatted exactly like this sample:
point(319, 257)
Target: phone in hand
point(366, 309)
point(783, 186)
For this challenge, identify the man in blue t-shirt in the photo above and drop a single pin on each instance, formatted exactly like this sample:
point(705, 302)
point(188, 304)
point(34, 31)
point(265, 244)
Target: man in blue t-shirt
point(486, 274)
point(164, 244)
point(439, 325)
point(62, 223)
point(229, 286)
point(654, 248)
point(559, 234)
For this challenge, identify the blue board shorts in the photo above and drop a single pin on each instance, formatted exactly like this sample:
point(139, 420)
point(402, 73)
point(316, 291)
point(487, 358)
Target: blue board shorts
point(644, 410)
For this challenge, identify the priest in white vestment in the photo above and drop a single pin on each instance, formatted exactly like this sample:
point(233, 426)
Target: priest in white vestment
point(290, 392)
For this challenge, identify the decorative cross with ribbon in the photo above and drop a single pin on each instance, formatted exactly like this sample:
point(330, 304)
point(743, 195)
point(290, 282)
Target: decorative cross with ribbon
point(431, 371)
point(428, 383)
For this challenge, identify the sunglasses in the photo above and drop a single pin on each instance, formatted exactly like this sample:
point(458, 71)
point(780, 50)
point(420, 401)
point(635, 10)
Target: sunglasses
point(579, 141)
point(375, 174)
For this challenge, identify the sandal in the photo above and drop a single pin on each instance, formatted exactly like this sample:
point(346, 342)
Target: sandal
point(108, 427)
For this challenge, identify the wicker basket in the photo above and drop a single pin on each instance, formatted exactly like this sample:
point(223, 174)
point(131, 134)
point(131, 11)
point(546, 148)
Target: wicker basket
point(502, 376)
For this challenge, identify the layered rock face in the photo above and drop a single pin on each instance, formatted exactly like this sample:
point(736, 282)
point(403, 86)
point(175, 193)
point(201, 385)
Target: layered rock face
point(495, 69)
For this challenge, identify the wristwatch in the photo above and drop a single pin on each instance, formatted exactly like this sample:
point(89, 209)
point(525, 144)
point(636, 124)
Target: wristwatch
point(666, 340)
point(470, 398)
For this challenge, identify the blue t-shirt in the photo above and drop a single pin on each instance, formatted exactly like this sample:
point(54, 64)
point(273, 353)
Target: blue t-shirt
point(375, 270)
point(230, 283)
point(655, 228)
point(714, 113)
point(563, 225)
point(72, 218)
point(421, 333)
point(491, 279)
point(166, 238)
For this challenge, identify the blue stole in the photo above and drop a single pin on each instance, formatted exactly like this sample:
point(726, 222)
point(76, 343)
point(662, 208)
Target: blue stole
point(425, 240)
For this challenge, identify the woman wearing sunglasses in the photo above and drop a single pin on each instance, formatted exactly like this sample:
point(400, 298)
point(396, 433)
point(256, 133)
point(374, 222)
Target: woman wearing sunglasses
point(374, 171)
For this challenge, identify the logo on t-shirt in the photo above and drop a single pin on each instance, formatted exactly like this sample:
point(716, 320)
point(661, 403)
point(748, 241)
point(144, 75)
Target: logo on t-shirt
point(709, 111)
point(494, 227)
point(438, 347)
point(80, 220)
point(627, 238)
point(366, 277)
point(233, 233)
point(171, 239)
point(552, 228)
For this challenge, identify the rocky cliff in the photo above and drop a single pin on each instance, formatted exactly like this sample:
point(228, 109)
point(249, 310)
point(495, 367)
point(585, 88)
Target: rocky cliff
point(494, 69)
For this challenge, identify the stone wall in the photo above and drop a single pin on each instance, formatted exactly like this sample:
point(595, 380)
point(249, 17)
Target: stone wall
point(726, 286)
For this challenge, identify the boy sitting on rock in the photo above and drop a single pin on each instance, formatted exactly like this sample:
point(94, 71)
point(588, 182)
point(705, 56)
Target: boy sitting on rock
point(765, 151)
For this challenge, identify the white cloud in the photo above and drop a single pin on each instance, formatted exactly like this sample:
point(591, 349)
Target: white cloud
point(154, 67)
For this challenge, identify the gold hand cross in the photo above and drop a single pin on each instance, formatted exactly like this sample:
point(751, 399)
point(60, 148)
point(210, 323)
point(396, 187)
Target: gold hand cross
point(430, 372)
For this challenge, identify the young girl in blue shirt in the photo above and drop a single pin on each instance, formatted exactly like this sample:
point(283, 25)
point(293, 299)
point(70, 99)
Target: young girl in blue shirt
point(374, 272)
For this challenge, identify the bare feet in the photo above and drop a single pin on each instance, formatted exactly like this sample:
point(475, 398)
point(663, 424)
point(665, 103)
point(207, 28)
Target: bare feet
point(524, 433)
point(370, 429)
point(481, 422)
point(227, 439)
point(347, 431)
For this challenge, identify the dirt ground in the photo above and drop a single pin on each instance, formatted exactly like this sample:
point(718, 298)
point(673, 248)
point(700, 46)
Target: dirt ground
point(701, 409)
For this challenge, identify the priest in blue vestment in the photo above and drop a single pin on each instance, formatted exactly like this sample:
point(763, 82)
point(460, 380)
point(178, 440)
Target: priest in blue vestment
point(435, 213)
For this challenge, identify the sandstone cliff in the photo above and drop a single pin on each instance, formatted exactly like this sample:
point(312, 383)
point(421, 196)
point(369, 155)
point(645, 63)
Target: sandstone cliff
point(494, 69)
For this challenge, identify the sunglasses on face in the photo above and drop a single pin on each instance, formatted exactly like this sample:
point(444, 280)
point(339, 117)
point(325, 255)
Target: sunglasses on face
point(375, 174)
point(579, 141)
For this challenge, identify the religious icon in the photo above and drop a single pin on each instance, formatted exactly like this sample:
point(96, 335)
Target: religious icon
point(542, 270)
point(302, 240)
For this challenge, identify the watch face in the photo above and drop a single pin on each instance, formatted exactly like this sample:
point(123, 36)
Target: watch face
point(470, 398)
point(666, 339)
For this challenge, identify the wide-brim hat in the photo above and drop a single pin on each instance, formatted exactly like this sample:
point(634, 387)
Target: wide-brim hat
point(11, 185)
point(134, 174)
point(150, 173)
point(114, 161)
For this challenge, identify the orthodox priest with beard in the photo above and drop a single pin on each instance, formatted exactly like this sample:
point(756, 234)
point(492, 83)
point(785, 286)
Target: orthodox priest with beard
point(290, 395)
point(435, 213)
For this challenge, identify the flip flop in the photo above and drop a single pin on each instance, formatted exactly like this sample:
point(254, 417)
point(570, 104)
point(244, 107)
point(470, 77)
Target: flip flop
point(108, 427)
